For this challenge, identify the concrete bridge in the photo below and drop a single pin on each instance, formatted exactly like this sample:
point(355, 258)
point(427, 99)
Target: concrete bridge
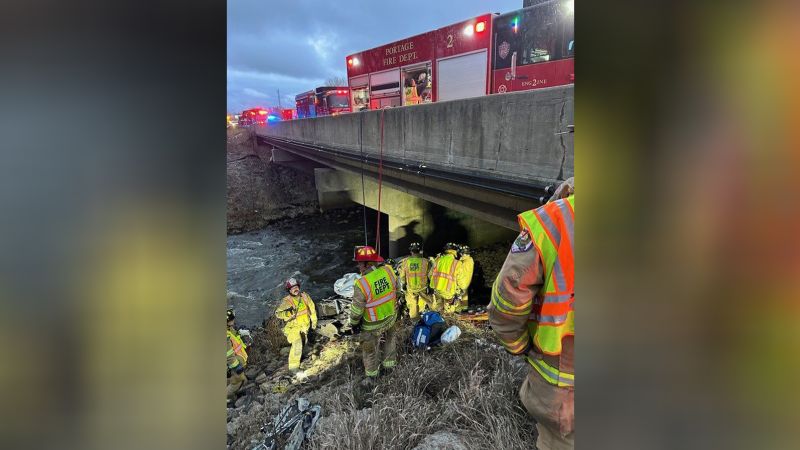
point(480, 161)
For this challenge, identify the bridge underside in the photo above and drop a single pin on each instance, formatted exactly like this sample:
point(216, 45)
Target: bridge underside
point(486, 158)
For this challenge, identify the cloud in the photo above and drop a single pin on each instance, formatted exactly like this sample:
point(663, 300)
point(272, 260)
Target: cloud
point(295, 46)
point(254, 93)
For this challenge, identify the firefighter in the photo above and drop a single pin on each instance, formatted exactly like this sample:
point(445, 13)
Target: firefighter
point(532, 311)
point(237, 358)
point(465, 276)
point(300, 314)
point(446, 270)
point(374, 310)
point(414, 278)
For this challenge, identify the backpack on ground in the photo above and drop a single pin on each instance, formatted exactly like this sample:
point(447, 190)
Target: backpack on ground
point(428, 330)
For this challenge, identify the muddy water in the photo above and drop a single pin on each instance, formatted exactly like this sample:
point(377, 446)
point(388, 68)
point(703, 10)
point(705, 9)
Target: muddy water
point(317, 250)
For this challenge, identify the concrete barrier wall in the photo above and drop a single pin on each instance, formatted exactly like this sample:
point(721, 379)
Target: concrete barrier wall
point(514, 135)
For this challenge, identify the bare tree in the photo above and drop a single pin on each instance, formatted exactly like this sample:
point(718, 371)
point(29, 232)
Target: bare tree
point(336, 81)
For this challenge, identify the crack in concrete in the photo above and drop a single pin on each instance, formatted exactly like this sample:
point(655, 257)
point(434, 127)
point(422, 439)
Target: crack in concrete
point(561, 126)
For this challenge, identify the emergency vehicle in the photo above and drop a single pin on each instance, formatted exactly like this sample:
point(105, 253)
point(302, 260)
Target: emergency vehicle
point(323, 101)
point(530, 48)
point(254, 116)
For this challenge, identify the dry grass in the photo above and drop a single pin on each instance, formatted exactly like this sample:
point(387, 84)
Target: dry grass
point(466, 388)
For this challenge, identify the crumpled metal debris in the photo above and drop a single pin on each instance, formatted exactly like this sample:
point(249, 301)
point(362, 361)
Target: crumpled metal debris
point(291, 427)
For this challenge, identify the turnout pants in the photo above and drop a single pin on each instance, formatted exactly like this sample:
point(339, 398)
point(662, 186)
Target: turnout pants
point(553, 408)
point(442, 304)
point(415, 302)
point(371, 352)
point(464, 304)
point(297, 339)
point(235, 383)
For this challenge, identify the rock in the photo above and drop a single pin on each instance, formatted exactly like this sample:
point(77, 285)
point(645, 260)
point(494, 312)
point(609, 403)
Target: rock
point(442, 440)
point(265, 388)
point(240, 402)
point(251, 373)
point(285, 351)
point(261, 378)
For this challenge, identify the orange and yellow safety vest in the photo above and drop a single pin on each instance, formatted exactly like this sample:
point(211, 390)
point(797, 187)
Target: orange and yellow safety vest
point(552, 231)
point(237, 353)
point(443, 278)
point(378, 287)
point(415, 272)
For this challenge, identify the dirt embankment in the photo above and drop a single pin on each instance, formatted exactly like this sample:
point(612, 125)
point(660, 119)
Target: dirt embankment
point(459, 396)
point(259, 193)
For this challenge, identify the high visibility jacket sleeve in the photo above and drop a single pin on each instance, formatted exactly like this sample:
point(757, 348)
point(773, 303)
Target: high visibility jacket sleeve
point(458, 274)
point(467, 266)
point(284, 311)
point(513, 294)
point(357, 307)
point(233, 361)
point(313, 311)
point(401, 271)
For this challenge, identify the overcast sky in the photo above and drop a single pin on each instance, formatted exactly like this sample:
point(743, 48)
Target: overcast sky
point(295, 45)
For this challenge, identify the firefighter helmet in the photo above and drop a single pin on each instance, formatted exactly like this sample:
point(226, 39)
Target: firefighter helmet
point(290, 283)
point(365, 253)
point(415, 247)
point(465, 250)
point(451, 246)
point(231, 315)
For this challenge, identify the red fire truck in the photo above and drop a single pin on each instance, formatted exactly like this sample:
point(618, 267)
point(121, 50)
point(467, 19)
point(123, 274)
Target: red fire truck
point(526, 49)
point(254, 116)
point(323, 101)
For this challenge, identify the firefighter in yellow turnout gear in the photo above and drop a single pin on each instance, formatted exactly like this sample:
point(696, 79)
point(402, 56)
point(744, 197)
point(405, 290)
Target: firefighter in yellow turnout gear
point(237, 358)
point(300, 314)
point(414, 276)
point(465, 276)
point(374, 310)
point(444, 279)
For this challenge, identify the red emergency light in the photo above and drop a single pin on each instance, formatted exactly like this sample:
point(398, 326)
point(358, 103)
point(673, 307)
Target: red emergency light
point(471, 29)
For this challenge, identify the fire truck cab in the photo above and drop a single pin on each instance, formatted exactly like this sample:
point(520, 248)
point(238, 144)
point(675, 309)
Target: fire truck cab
point(254, 116)
point(323, 101)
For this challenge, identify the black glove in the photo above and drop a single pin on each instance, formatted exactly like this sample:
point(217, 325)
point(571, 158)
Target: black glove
point(355, 329)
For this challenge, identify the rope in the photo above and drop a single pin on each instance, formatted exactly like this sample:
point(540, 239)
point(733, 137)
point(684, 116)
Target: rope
point(380, 183)
point(363, 191)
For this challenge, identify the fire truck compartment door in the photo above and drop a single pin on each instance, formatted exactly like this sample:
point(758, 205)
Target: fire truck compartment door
point(357, 82)
point(462, 76)
point(385, 83)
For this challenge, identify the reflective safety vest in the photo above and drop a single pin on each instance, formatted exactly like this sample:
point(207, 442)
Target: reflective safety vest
point(552, 230)
point(415, 269)
point(301, 305)
point(237, 348)
point(443, 278)
point(378, 287)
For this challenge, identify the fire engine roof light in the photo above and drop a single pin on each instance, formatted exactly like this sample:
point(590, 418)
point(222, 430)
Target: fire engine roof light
point(469, 30)
point(350, 61)
point(262, 112)
point(356, 61)
point(569, 6)
point(480, 27)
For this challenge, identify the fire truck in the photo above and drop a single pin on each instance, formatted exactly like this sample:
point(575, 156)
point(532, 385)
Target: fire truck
point(323, 101)
point(254, 116)
point(530, 48)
